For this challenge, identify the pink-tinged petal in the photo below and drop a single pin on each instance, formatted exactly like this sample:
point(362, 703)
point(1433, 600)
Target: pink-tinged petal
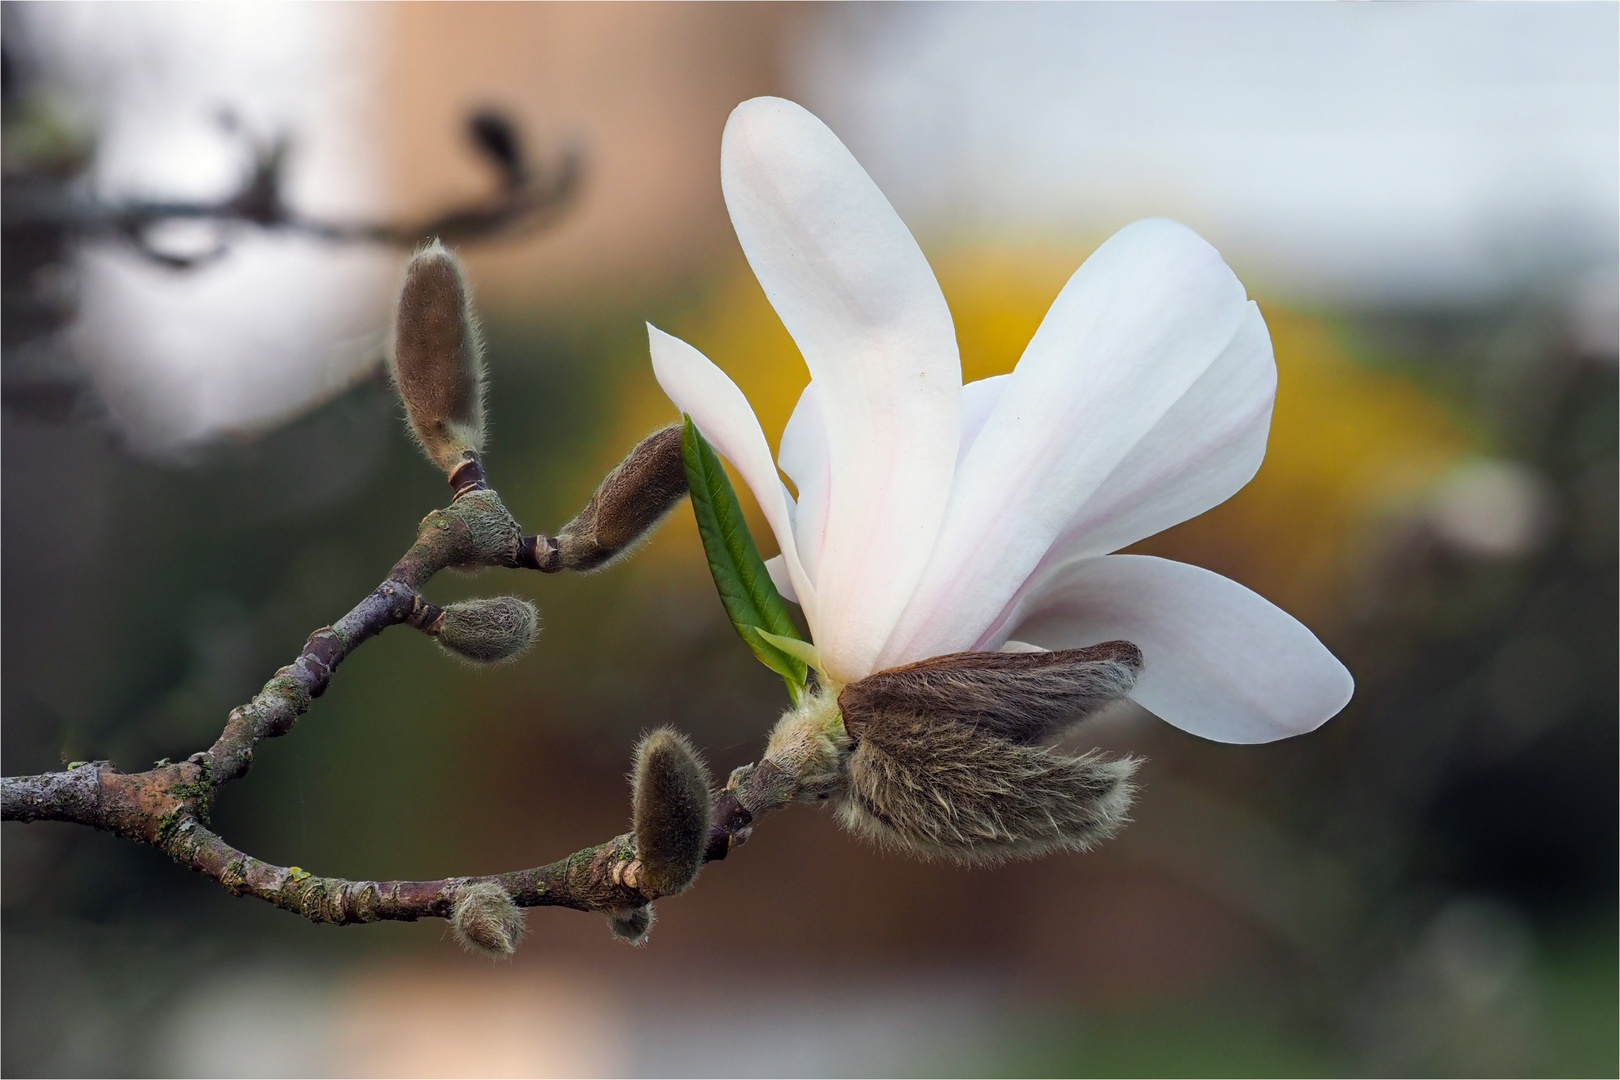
point(707, 394)
point(1132, 331)
point(1220, 661)
point(855, 292)
point(776, 566)
point(978, 402)
point(805, 458)
point(1201, 452)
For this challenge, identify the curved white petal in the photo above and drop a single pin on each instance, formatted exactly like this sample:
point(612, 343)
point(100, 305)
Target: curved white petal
point(722, 414)
point(806, 458)
point(1132, 331)
point(776, 566)
point(854, 290)
point(1201, 452)
point(1220, 661)
point(978, 402)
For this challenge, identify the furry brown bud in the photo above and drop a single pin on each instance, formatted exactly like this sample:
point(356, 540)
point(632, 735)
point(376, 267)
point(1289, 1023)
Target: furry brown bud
point(945, 763)
point(490, 630)
point(629, 502)
point(1023, 697)
point(437, 362)
point(631, 923)
point(671, 809)
point(485, 919)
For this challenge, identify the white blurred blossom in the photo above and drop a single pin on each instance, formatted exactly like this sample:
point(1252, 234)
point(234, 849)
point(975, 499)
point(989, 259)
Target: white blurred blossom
point(280, 322)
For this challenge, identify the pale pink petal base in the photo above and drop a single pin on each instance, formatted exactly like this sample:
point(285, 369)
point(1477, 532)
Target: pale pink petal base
point(855, 292)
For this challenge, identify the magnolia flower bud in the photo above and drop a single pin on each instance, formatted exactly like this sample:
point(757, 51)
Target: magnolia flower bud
point(490, 630)
point(438, 364)
point(485, 919)
point(629, 502)
point(945, 763)
point(671, 810)
point(631, 923)
point(1024, 697)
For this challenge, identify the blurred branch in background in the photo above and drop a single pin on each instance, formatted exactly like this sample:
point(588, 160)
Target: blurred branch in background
point(209, 168)
point(50, 210)
point(41, 197)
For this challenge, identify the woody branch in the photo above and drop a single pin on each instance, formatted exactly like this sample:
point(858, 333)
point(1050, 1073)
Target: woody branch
point(169, 805)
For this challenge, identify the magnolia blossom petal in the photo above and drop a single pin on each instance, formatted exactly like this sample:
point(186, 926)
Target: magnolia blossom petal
point(776, 566)
point(805, 457)
point(978, 401)
point(1201, 452)
point(718, 408)
point(854, 290)
point(1132, 331)
point(1220, 661)
point(1205, 448)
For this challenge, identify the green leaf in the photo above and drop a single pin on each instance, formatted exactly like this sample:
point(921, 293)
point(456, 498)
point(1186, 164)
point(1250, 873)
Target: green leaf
point(793, 646)
point(745, 586)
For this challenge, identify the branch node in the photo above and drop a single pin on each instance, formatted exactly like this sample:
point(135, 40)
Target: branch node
point(467, 478)
point(539, 553)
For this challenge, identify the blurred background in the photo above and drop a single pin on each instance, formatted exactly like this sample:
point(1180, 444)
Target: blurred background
point(206, 210)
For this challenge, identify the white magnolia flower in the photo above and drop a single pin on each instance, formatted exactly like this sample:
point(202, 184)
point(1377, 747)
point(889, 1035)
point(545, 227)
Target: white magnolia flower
point(934, 517)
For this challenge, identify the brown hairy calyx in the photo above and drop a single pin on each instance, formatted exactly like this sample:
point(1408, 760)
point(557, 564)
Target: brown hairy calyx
point(948, 759)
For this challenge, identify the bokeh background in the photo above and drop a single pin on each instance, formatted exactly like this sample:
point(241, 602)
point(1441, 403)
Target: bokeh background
point(201, 465)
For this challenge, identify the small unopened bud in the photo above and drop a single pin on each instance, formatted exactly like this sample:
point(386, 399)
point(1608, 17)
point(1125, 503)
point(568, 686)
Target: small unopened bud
point(489, 630)
point(631, 923)
point(628, 503)
point(671, 810)
point(438, 364)
point(485, 919)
